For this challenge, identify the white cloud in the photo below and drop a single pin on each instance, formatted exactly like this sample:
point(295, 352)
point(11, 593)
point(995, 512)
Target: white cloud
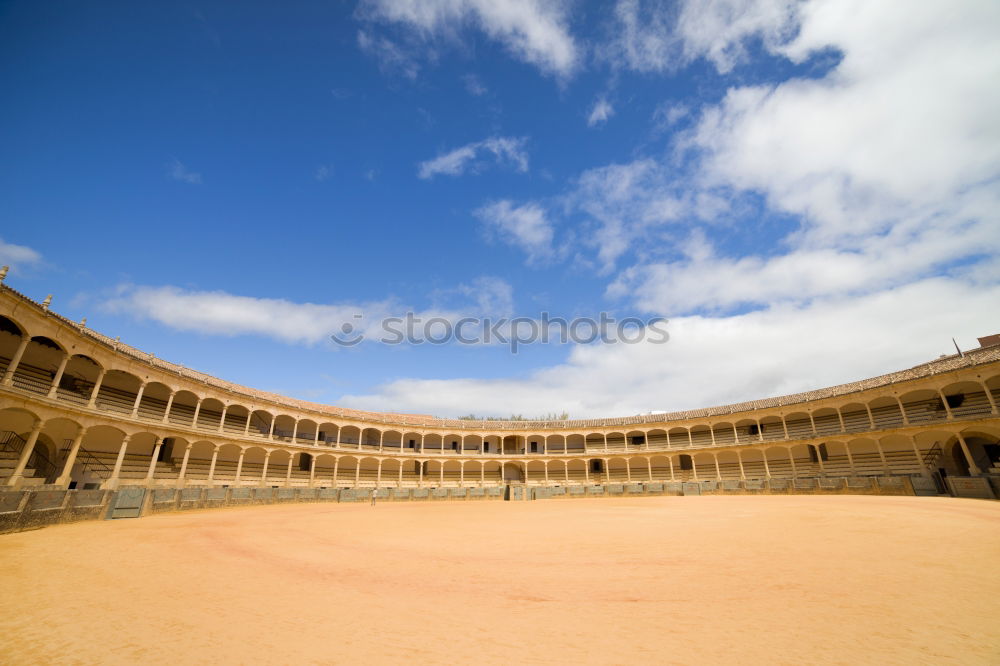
point(392, 58)
point(323, 172)
point(534, 32)
point(505, 150)
point(220, 313)
point(474, 85)
point(18, 256)
point(526, 226)
point(719, 360)
point(177, 171)
point(601, 111)
point(663, 36)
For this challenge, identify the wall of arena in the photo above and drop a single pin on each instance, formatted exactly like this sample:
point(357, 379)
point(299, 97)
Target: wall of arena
point(84, 418)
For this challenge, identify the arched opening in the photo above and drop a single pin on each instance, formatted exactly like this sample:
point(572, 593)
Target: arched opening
point(827, 421)
point(260, 423)
point(966, 399)
point(677, 437)
point(347, 468)
point(923, 406)
point(536, 472)
point(725, 433)
point(512, 473)
point(328, 433)
point(78, 379)
point(799, 425)
point(555, 444)
point(392, 440)
point(210, 414)
point(701, 435)
point(616, 441)
point(284, 427)
point(153, 404)
point(182, 408)
point(855, 417)
point(236, 420)
point(657, 439)
point(350, 436)
point(885, 413)
point(594, 441)
point(771, 428)
point(118, 392)
point(39, 365)
point(11, 335)
point(576, 444)
point(305, 432)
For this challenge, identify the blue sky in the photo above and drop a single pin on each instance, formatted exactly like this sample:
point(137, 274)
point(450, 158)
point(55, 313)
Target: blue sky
point(807, 191)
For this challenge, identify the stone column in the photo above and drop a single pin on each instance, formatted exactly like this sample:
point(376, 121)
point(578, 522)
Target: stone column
point(649, 467)
point(767, 470)
point(947, 408)
point(989, 396)
point(288, 471)
point(840, 417)
point(22, 460)
point(222, 420)
point(158, 442)
point(739, 459)
point(112, 482)
point(8, 377)
point(871, 418)
point(819, 459)
point(138, 399)
point(850, 458)
point(97, 388)
point(791, 457)
point(239, 467)
point(312, 470)
point(166, 412)
point(812, 421)
point(211, 467)
point(58, 377)
point(64, 478)
point(670, 461)
point(973, 468)
point(718, 472)
point(197, 411)
point(184, 465)
point(881, 455)
point(920, 459)
point(263, 475)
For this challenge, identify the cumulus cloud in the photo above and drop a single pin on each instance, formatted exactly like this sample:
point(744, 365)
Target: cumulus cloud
point(392, 58)
point(504, 150)
point(220, 313)
point(177, 171)
point(18, 256)
point(656, 35)
point(534, 32)
point(526, 227)
point(601, 111)
point(719, 360)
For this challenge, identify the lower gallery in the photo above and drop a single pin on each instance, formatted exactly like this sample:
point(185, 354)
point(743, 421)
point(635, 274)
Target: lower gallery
point(837, 525)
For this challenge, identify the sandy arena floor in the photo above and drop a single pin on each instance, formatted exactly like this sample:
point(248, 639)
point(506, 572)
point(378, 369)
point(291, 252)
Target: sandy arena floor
point(839, 579)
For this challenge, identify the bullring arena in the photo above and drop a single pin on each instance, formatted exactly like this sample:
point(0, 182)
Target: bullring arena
point(845, 524)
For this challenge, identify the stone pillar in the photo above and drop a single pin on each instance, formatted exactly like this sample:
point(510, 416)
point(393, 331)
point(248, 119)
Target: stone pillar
point(222, 420)
point(791, 457)
point(881, 455)
point(152, 460)
point(67, 470)
point(711, 432)
point(649, 467)
point(211, 467)
point(166, 411)
point(670, 461)
point(312, 470)
point(295, 432)
point(784, 426)
point(902, 410)
point(197, 411)
point(947, 408)
point(357, 473)
point(736, 434)
point(767, 470)
point(8, 377)
point(58, 377)
point(246, 428)
point(871, 419)
point(813, 422)
point(263, 474)
point(184, 465)
point(819, 459)
point(739, 459)
point(989, 396)
point(239, 467)
point(973, 468)
point(138, 399)
point(840, 417)
point(850, 458)
point(920, 459)
point(288, 471)
point(270, 430)
point(718, 472)
point(97, 388)
point(112, 482)
point(22, 460)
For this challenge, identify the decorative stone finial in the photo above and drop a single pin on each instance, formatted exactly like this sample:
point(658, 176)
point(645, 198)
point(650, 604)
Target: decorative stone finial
point(47, 302)
point(83, 323)
point(3, 272)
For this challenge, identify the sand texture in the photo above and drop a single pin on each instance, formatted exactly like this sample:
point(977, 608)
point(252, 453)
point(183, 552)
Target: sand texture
point(796, 579)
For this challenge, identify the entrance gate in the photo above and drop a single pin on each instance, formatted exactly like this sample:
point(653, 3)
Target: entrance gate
point(128, 502)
